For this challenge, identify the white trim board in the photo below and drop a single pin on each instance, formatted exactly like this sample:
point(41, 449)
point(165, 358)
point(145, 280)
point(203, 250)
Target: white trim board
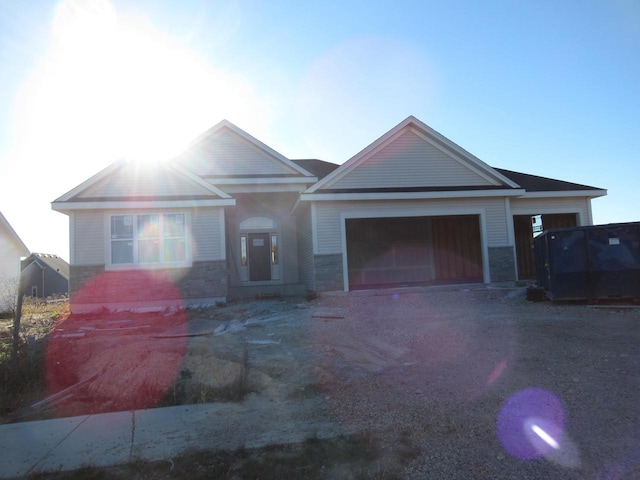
point(115, 204)
point(314, 197)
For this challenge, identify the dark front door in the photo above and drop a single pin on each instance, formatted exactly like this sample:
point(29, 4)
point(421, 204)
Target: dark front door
point(259, 257)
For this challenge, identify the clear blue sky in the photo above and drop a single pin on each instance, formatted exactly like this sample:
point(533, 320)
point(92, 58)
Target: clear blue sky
point(543, 87)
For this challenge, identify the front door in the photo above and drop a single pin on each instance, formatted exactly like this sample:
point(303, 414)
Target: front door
point(259, 257)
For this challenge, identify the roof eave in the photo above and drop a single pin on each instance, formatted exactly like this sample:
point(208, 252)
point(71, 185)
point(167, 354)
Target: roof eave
point(261, 181)
point(313, 197)
point(66, 207)
point(566, 193)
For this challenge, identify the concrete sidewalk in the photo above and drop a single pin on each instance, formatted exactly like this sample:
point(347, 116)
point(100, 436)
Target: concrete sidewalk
point(116, 438)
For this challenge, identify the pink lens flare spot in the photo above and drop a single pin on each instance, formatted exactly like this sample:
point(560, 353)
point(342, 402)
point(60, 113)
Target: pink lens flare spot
point(123, 358)
point(497, 372)
point(531, 424)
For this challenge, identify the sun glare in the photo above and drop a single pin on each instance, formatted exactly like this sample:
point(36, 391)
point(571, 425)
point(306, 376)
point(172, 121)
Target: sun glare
point(114, 86)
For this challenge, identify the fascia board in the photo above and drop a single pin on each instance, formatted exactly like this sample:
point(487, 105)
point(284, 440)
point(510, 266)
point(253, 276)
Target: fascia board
point(463, 157)
point(461, 151)
point(359, 157)
point(68, 206)
point(90, 181)
point(262, 146)
point(310, 197)
point(565, 194)
point(261, 180)
point(13, 233)
point(249, 138)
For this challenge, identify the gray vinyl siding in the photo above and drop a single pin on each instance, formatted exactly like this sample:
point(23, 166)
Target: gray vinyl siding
point(208, 234)
point(305, 248)
point(409, 161)
point(328, 221)
point(52, 284)
point(535, 206)
point(289, 251)
point(88, 238)
point(229, 154)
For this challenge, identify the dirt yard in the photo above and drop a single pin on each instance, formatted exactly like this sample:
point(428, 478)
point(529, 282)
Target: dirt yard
point(449, 383)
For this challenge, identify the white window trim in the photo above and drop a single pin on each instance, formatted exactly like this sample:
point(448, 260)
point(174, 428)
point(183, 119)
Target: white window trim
point(188, 262)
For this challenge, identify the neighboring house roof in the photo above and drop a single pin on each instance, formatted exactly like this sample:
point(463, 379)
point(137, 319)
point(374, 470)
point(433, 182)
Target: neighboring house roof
point(54, 262)
point(128, 183)
point(10, 234)
point(319, 168)
point(534, 183)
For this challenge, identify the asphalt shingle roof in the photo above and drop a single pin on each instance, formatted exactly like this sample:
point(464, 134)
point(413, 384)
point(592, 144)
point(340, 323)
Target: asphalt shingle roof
point(534, 183)
point(531, 183)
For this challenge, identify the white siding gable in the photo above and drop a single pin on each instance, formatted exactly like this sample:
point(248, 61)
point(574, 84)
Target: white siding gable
point(410, 161)
point(135, 180)
point(226, 154)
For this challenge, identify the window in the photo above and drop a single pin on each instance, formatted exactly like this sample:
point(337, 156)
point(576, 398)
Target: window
point(274, 249)
point(243, 249)
point(175, 248)
point(148, 239)
point(122, 239)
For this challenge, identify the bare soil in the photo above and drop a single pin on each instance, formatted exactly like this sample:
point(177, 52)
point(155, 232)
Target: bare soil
point(447, 383)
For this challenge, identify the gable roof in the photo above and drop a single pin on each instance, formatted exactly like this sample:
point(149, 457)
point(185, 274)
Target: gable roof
point(227, 154)
point(385, 158)
point(128, 183)
point(10, 234)
point(531, 183)
point(339, 182)
point(54, 262)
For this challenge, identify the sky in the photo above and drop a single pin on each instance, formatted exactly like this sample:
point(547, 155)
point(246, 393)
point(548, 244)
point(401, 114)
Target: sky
point(549, 88)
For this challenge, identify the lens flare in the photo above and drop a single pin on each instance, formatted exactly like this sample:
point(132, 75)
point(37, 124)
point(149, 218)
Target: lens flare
point(548, 439)
point(117, 359)
point(531, 424)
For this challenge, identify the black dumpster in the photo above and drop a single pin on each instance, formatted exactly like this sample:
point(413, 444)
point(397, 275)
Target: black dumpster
point(591, 263)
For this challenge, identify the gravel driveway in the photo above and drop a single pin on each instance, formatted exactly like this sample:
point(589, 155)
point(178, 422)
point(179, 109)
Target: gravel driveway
point(480, 383)
point(450, 383)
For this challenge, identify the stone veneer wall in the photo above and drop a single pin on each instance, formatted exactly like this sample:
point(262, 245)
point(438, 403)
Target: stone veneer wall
point(328, 272)
point(502, 264)
point(203, 282)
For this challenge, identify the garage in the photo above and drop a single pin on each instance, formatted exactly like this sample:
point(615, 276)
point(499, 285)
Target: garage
point(408, 251)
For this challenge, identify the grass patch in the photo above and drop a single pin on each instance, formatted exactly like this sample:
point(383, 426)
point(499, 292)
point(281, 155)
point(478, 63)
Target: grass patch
point(353, 457)
point(186, 392)
point(22, 371)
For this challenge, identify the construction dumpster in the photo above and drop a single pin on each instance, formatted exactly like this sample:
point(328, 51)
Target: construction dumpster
point(591, 263)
